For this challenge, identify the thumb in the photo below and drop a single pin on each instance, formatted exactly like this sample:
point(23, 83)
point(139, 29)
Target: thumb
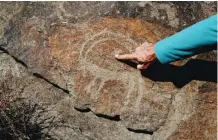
point(142, 66)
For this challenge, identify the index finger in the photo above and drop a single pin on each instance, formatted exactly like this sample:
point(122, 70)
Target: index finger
point(126, 57)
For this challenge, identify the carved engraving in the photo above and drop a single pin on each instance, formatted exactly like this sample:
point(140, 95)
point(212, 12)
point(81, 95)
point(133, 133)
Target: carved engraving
point(81, 56)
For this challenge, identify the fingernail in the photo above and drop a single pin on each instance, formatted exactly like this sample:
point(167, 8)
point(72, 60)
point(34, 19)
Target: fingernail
point(116, 55)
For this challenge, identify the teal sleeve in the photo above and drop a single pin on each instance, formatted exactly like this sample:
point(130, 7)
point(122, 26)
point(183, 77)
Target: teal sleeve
point(198, 38)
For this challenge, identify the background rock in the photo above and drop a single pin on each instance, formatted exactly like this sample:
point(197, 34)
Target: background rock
point(66, 50)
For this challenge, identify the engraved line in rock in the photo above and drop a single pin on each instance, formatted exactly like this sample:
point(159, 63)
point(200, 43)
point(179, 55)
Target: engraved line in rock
point(131, 87)
point(140, 91)
point(109, 33)
point(84, 44)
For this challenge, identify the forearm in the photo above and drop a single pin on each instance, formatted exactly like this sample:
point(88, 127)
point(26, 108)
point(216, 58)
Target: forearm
point(195, 39)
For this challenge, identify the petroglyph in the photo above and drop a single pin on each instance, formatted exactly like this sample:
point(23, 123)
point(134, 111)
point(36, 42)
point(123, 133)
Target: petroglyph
point(80, 58)
point(71, 46)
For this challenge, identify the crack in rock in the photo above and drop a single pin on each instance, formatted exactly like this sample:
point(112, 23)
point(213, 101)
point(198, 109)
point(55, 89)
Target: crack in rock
point(55, 85)
point(144, 131)
point(16, 59)
point(35, 74)
point(112, 118)
point(86, 109)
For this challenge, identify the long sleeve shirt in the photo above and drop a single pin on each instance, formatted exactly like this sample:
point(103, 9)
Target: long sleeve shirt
point(198, 38)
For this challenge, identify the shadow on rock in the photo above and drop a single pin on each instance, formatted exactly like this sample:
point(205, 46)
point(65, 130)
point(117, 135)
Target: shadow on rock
point(195, 69)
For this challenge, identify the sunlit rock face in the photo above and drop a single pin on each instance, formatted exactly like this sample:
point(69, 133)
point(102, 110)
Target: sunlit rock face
point(81, 59)
point(71, 45)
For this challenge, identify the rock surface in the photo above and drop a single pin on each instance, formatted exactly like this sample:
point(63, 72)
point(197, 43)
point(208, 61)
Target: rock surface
point(18, 82)
point(67, 51)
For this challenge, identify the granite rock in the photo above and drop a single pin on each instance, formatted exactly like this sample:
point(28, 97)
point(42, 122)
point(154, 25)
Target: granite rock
point(67, 50)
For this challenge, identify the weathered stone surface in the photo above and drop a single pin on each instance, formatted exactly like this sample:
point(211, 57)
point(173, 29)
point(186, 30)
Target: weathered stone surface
point(81, 59)
point(17, 82)
point(71, 45)
point(202, 125)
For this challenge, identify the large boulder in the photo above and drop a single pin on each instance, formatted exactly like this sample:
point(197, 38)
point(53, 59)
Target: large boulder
point(71, 46)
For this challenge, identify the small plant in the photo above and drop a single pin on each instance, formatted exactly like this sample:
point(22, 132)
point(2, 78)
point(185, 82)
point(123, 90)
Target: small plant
point(19, 121)
point(22, 119)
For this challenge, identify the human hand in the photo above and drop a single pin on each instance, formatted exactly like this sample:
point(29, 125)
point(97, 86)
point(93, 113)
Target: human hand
point(143, 55)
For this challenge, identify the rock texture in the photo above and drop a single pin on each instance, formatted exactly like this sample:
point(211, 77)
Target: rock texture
point(18, 82)
point(67, 49)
